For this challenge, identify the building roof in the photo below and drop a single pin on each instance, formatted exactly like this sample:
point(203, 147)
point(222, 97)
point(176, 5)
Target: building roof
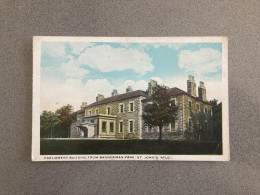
point(119, 97)
point(80, 111)
point(176, 91)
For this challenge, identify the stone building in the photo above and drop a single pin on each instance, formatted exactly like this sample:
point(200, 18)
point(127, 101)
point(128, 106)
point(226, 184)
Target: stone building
point(120, 116)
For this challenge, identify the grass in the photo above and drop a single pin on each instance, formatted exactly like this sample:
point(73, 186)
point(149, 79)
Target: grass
point(66, 147)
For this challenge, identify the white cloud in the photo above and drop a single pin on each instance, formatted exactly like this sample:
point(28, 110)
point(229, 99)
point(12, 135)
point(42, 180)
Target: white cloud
point(106, 59)
point(72, 69)
point(57, 92)
point(54, 49)
point(77, 48)
point(205, 60)
point(69, 69)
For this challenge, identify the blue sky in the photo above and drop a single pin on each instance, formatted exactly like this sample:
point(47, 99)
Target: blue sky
point(77, 71)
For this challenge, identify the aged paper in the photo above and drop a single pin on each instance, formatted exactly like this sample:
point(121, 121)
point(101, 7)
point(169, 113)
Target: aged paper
point(130, 98)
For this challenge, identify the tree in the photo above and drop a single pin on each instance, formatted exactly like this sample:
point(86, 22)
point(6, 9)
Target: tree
point(217, 119)
point(57, 124)
point(49, 124)
point(160, 111)
point(66, 117)
point(201, 125)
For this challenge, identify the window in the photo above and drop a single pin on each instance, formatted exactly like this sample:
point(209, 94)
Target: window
point(89, 112)
point(198, 107)
point(96, 111)
point(206, 110)
point(131, 106)
point(120, 127)
point(104, 126)
point(131, 126)
point(108, 111)
point(92, 121)
point(189, 104)
point(173, 125)
point(121, 107)
point(111, 127)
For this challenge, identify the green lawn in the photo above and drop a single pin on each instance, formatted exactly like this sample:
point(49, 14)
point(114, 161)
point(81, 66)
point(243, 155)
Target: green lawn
point(55, 147)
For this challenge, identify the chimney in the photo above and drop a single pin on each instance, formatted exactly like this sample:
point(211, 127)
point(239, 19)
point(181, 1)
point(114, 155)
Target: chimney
point(191, 86)
point(99, 97)
point(151, 85)
point(114, 93)
point(129, 89)
point(202, 91)
point(84, 104)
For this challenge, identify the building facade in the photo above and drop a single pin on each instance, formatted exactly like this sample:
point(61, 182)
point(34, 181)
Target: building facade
point(120, 116)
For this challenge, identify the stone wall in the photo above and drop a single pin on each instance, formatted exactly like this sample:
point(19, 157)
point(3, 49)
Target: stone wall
point(196, 106)
point(124, 117)
point(182, 119)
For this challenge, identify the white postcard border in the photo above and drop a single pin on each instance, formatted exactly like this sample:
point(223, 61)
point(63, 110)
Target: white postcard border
point(118, 157)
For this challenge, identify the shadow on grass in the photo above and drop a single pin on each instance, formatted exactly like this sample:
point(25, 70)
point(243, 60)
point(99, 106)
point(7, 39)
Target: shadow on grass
point(62, 147)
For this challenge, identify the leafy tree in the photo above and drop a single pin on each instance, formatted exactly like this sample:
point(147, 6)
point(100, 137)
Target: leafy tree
point(217, 119)
point(161, 110)
point(48, 124)
point(201, 125)
point(57, 124)
point(66, 117)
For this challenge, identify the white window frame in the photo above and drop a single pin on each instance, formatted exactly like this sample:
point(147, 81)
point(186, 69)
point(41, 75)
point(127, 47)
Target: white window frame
point(129, 125)
point(121, 121)
point(121, 104)
point(129, 110)
point(107, 110)
point(102, 126)
point(113, 127)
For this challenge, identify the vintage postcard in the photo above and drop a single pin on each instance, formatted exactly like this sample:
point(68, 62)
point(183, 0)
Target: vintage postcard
point(130, 98)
